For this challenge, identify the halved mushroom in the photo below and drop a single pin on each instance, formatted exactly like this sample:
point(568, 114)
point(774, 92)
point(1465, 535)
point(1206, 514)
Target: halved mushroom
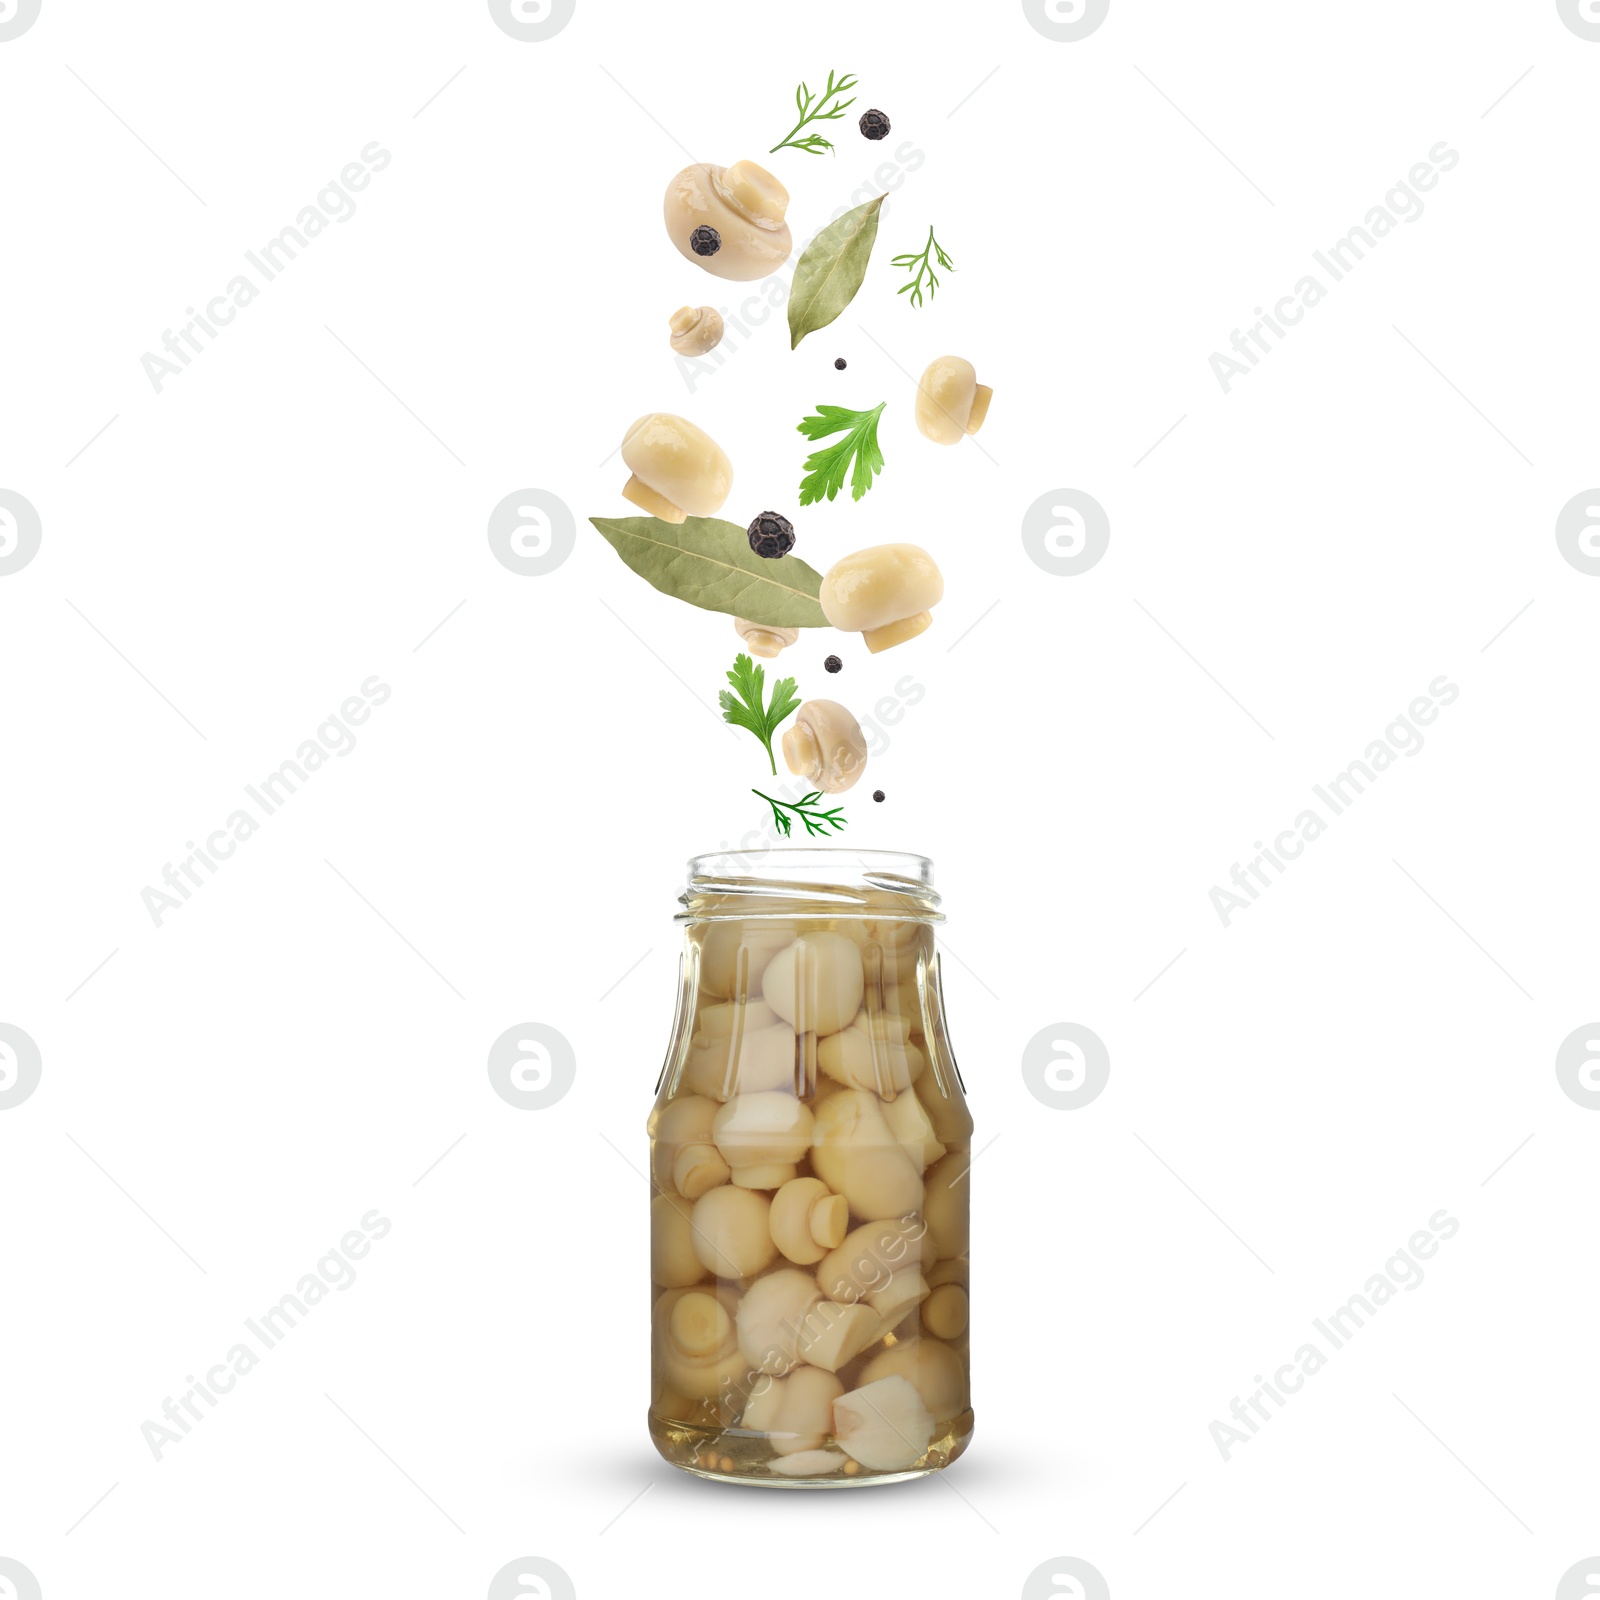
point(695, 329)
point(902, 1293)
point(825, 746)
point(834, 1334)
point(764, 641)
point(950, 400)
point(882, 593)
point(883, 1424)
point(744, 204)
point(869, 1256)
point(678, 470)
point(856, 1155)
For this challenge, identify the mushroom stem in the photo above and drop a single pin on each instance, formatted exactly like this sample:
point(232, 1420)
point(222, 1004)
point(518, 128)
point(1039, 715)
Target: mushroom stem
point(982, 394)
point(755, 192)
point(764, 642)
point(877, 639)
point(656, 505)
point(800, 750)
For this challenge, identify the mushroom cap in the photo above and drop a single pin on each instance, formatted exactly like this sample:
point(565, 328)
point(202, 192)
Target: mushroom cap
point(880, 585)
point(754, 1059)
point(815, 983)
point(679, 461)
point(734, 954)
point(771, 1317)
point(673, 1262)
point(946, 1311)
point(944, 398)
point(731, 1235)
point(681, 1144)
point(933, 1369)
point(695, 329)
point(825, 745)
point(745, 204)
point(725, 1018)
point(945, 1206)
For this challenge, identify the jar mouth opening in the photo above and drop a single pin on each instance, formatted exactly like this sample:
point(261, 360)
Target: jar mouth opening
point(887, 884)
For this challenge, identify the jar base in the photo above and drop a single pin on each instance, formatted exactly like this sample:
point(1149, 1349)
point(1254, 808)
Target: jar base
point(734, 1455)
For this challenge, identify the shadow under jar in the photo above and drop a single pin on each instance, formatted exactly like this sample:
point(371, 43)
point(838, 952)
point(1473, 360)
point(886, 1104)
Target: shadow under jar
point(809, 1148)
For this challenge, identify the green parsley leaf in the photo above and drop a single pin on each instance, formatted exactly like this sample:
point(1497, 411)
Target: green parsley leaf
point(825, 469)
point(745, 709)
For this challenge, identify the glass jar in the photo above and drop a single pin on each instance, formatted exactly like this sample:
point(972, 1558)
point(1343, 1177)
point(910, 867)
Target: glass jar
point(809, 1147)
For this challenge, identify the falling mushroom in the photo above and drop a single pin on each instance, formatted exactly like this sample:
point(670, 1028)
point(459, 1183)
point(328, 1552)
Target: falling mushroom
point(743, 205)
point(695, 329)
point(678, 469)
point(950, 400)
point(826, 746)
point(882, 593)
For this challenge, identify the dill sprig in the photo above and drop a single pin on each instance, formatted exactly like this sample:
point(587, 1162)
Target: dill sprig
point(816, 110)
point(923, 266)
point(817, 822)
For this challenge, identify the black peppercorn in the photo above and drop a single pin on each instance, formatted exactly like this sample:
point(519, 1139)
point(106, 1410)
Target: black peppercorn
point(706, 241)
point(833, 664)
point(771, 535)
point(877, 794)
point(839, 364)
point(874, 125)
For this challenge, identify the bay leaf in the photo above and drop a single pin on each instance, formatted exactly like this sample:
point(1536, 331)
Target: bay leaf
point(709, 563)
point(831, 270)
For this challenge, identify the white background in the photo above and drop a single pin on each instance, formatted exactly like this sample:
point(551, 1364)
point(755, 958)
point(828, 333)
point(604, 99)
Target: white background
point(1290, 1099)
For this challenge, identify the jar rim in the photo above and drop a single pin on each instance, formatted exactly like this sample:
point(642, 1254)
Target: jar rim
point(835, 878)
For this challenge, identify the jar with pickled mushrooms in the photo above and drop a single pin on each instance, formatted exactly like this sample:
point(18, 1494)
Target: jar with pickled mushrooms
point(809, 1148)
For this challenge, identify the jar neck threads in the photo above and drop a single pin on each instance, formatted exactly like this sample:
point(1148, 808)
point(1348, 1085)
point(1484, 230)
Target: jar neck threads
point(798, 882)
